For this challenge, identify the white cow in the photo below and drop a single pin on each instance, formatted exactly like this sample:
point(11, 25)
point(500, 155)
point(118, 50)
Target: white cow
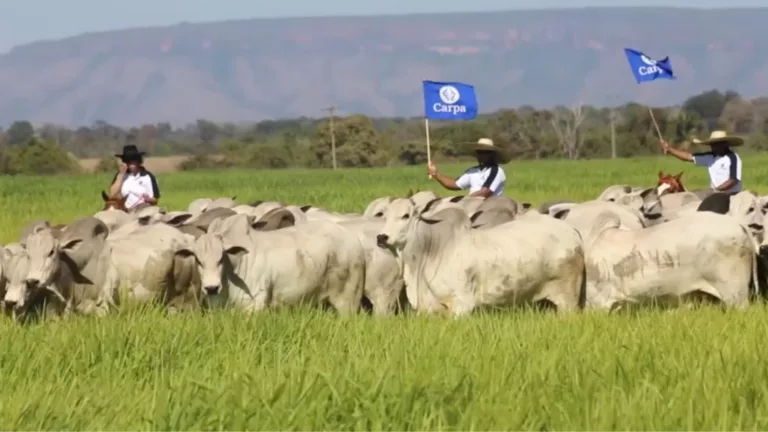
point(383, 276)
point(702, 255)
point(254, 270)
point(71, 273)
point(583, 215)
point(149, 270)
point(448, 265)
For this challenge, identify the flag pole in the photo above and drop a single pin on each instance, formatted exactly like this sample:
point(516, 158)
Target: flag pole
point(429, 149)
point(656, 125)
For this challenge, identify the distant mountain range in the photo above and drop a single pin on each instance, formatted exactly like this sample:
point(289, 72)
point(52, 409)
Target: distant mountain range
point(254, 69)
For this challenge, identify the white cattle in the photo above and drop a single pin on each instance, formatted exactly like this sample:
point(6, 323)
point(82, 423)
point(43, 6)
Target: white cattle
point(491, 218)
point(113, 218)
point(257, 208)
point(376, 207)
point(743, 206)
point(148, 269)
point(13, 286)
point(583, 215)
point(703, 255)
point(616, 192)
point(383, 276)
point(450, 266)
point(319, 214)
point(71, 273)
point(658, 209)
point(254, 270)
point(201, 205)
point(422, 198)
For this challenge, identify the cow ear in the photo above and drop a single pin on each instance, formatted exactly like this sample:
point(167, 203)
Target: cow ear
point(457, 198)
point(431, 204)
point(305, 208)
point(474, 217)
point(236, 251)
point(184, 253)
point(178, 219)
point(144, 220)
point(561, 214)
point(71, 244)
point(274, 219)
point(527, 205)
point(429, 221)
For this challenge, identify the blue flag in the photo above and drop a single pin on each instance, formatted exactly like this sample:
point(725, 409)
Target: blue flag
point(646, 69)
point(449, 101)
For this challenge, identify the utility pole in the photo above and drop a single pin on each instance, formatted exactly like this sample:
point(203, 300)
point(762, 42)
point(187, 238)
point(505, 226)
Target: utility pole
point(613, 133)
point(331, 110)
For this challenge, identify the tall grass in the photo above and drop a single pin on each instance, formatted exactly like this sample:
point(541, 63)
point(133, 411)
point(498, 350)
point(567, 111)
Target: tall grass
point(311, 370)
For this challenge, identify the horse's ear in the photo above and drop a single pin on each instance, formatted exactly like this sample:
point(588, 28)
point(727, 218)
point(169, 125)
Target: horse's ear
point(661, 174)
point(679, 175)
point(104, 196)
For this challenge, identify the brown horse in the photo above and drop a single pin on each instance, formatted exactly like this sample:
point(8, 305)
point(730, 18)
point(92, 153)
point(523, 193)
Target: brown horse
point(669, 183)
point(113, 203)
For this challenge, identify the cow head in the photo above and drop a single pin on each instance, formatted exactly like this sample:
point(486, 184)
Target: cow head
point(16, 293)
point(397, 219)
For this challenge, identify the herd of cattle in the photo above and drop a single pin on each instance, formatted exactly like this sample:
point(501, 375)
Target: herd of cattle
point(630, 246)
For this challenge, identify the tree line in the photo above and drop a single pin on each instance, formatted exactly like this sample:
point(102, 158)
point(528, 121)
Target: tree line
point(575, 132)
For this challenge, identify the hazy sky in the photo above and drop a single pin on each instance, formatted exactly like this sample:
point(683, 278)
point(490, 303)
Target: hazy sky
point(24, 21)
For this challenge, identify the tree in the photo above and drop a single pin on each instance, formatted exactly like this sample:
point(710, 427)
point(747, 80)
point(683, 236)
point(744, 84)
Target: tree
point(19, 133)
point(567, 124)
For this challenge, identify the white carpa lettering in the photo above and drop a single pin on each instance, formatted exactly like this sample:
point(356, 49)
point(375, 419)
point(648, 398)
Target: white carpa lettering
point(650, 70)
point(453, 109)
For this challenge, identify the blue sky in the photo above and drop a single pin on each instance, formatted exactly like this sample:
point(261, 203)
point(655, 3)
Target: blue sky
point(23, 21)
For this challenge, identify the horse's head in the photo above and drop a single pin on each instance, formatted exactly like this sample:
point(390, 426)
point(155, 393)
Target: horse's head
point(669, 183)
point(113, 203)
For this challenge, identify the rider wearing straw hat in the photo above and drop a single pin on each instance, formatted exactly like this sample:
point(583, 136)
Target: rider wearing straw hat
point(484, 180)
point(723, 164)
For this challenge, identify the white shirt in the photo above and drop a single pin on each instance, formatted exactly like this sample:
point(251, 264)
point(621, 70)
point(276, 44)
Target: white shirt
point(721, 168)
point(478, 177)
point(136, 185)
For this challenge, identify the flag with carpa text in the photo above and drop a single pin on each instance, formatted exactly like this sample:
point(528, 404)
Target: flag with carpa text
point(449, 101)
point(647, 69)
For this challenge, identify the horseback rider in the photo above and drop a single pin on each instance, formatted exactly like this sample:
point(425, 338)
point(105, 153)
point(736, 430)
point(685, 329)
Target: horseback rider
point(133, 181)
point(485, 179)
point(723, 165)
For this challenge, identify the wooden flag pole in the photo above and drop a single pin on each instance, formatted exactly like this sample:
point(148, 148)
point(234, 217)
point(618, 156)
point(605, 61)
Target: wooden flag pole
point(429, 149)
point(656, 125)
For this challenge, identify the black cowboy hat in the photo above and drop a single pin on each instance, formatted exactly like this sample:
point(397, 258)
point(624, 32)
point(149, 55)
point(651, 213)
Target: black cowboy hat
point(131, 153)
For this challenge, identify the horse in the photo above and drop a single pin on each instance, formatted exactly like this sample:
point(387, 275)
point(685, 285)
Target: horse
point(669, 183)
point(119, 204)
point(113, 203)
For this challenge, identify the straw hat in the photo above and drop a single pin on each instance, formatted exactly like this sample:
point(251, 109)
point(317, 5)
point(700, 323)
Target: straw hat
point(486, 144)
point(720, 136)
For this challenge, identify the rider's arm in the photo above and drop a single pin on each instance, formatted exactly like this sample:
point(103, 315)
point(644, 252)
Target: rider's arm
point(450, 183)
point(681, 154)
point(117, 184)
point(731, 182)
point(154, 191)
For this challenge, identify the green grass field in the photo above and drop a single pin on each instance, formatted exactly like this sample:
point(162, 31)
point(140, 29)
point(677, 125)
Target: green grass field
point(307, 370)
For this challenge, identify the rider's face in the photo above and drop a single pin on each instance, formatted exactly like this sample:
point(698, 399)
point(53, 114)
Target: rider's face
point(484, 157)
point(133, 166)
point(719, 148)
